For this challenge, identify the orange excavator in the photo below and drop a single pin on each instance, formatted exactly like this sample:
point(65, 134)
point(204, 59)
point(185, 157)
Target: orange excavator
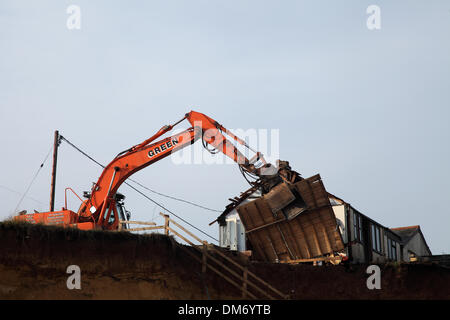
point(103, 208)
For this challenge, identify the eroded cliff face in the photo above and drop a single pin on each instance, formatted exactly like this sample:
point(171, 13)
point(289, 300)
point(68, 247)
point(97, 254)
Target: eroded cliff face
point(120, 265)
point(113, 265)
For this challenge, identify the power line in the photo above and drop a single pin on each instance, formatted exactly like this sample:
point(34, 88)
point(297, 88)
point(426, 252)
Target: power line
point(174, 198)
point(19, 193)
point(81, 151)
point(140, 184)
point(32, 180)
point(161, 206)
point(144, 195)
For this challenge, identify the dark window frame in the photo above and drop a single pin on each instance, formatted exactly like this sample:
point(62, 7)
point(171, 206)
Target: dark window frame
point(375, 231)
point(392, 249)
point(357, 227)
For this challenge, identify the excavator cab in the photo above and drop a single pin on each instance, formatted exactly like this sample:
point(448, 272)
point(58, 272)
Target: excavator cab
point(118, 212)
point(120, 206)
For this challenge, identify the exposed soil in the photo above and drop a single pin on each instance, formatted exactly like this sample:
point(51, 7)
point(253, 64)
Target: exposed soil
point(120, 265)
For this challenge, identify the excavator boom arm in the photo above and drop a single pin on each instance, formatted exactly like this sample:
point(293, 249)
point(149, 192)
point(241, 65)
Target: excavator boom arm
point(148, 152)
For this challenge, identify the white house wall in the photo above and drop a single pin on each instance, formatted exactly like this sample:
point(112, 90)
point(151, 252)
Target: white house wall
point(339, 212)
point(232, 235)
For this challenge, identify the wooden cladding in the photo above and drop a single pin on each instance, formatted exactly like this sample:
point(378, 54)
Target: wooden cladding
point(277, 236)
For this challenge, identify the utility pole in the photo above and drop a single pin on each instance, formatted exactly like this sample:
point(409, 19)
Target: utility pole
point(55, 159)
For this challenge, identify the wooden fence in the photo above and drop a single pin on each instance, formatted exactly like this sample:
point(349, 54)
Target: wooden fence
point(207, 255)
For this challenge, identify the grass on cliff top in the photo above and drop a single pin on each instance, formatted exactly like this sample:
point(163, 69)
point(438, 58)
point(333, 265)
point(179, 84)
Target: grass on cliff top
point(41, 231)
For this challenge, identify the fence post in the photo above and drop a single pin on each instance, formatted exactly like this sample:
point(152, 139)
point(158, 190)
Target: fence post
point(166, 224)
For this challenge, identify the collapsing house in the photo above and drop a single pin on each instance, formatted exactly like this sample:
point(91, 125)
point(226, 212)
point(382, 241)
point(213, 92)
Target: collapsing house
point(302, 222)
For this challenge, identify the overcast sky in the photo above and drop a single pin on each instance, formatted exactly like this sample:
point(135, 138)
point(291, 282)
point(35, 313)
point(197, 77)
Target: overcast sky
point(367, 109)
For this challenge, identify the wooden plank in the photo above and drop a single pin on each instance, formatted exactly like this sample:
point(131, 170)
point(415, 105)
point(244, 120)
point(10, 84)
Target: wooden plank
point(315, 177)
point(314, 259)
point(308, 247)
point(137, 222)
point(231, 281)
point(324, 231)
point(265, 225)
point(171, 230)
point(143, 228)
point(166, 224)
point(317, 242)
point(250, 273)
point(245, 215)
point(313, 234)
point(330, 224)
point(303, 190)
point(268, 233)
point(258, 212)
point(308, 183)
point(315, 218)
point(219, 273)
point(182, 228)
point(237, 275)
point(277, 258)
point(259, 243)
point(312, 191)
point(279, 197)
point(298, 239)
point(328, 228)
point(287, 226)
point(285, 243)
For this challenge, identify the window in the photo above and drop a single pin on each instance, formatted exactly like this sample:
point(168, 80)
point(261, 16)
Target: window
point(372, 232)
point(112, 217)
point(120, 211)
point(376, 238)
point(412, 256)
point(360, 229)
point(391, 249)
point(357, 227)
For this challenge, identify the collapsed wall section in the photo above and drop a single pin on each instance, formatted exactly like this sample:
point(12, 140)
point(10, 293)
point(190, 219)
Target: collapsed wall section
point(295, 221)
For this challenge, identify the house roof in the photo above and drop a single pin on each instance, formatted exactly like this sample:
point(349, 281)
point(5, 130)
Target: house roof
point(337, 199)
point(334, 200)
point(407, 233)
point(236, 201)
